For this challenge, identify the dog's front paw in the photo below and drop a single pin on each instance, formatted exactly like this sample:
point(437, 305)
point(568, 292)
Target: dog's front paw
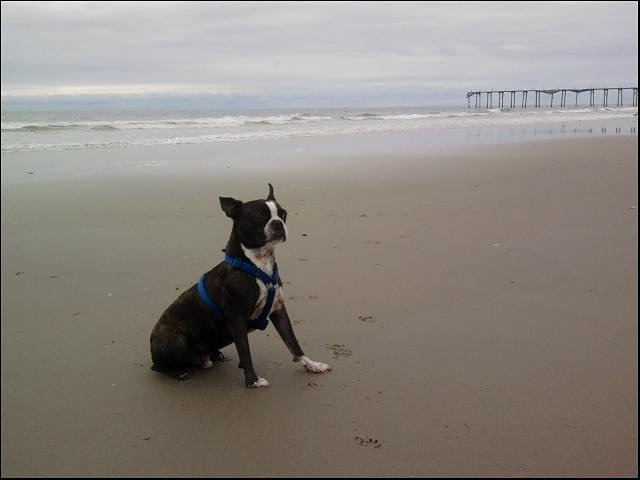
point(315, 367)
point(260, 383)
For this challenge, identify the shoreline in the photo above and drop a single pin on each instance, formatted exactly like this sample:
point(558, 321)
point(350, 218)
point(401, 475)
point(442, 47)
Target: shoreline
point(478, 307)
point(305, 151)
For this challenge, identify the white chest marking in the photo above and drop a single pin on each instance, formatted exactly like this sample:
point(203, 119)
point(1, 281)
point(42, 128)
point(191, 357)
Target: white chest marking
point(262, 300)
point(263, 259)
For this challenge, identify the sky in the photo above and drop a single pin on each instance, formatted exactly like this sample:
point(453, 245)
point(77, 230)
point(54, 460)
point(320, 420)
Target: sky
point(313, 54)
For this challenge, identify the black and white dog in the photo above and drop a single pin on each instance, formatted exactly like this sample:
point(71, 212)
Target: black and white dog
point(237, 296)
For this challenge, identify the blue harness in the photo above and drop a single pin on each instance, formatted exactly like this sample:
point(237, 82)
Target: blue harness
point(270, 281)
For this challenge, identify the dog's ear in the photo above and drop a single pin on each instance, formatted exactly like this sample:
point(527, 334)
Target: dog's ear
point(271, 197)
point(230, 206)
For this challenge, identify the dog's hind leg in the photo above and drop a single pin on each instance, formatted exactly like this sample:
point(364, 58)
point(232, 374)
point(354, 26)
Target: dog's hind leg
point(179, 374)
point(223, 339)
point(171, 355)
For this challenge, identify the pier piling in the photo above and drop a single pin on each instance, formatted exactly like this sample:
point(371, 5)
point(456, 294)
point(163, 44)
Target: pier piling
point(524, 96)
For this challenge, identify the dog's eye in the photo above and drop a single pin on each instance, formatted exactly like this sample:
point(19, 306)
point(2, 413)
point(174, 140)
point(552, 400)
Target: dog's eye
point(261, 216)
point(282, 214)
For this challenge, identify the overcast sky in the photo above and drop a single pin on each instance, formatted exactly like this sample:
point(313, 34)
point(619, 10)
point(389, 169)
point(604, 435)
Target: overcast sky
point(309, 54)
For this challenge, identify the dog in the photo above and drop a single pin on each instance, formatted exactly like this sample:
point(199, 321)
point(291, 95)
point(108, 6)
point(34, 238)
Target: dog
point(234, 298)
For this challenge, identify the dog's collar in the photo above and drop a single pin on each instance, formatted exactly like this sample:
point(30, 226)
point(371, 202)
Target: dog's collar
point(270, 281)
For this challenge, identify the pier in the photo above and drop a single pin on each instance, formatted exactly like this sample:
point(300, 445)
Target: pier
point(538, 93)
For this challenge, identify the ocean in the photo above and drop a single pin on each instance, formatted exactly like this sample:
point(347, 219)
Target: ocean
point(81, 130)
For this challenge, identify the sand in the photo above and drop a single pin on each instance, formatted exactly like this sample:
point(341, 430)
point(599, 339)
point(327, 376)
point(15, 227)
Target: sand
point(479, 310)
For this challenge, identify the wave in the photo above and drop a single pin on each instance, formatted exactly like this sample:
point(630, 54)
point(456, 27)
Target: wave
point(125, 132)
point(41, 128)
point(283, 119)
point(410, 116)
point(362, 116)
point(378, 116)
point(237, 121)
point(204, 122)
point(54, 127)
point(103, 128)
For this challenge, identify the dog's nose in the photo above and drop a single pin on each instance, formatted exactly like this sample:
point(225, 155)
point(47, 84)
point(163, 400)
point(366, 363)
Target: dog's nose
point(277, 226)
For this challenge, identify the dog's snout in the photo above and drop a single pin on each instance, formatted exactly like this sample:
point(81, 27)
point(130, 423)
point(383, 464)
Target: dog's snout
point(277, 226)
point(277, 230)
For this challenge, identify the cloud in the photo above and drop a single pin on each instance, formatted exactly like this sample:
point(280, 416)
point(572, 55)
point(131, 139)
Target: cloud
point(314, 49)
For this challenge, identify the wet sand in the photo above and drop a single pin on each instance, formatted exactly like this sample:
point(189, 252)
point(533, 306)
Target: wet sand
point(479, 310)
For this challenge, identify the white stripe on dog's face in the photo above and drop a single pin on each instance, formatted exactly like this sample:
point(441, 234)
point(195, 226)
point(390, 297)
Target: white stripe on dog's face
point(274, 216)
point(273, 209)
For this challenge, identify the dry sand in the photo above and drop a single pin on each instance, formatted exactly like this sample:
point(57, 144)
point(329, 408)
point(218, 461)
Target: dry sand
point(479, 310)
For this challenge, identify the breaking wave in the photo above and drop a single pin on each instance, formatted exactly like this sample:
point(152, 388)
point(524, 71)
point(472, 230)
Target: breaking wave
point(83, 130)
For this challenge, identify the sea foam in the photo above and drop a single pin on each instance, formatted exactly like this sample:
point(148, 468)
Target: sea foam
point(85, 130)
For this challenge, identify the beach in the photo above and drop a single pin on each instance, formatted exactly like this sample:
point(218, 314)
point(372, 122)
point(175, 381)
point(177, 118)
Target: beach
point(478, 307)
